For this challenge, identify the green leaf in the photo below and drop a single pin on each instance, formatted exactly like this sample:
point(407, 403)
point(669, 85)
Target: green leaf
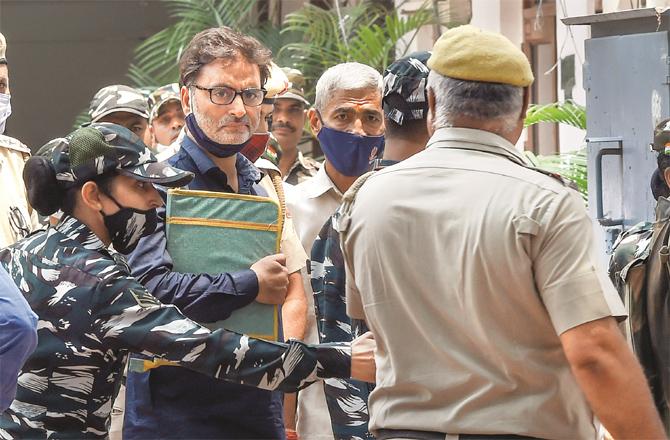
point(568, 112)
point(571, 165)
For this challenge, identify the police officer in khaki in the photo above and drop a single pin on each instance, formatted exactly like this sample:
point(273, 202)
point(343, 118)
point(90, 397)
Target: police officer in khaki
point(485, 267)
point(17, 219)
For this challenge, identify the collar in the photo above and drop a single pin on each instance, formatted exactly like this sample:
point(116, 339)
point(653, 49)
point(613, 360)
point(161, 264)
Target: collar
point(321, 184)
point(477, 140)
point(79, 232)
point(247, 173)
point(662, 209)
point(202, 162)
point(301, 161)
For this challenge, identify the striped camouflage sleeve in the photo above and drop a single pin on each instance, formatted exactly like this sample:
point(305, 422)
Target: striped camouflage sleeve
point(126, 316)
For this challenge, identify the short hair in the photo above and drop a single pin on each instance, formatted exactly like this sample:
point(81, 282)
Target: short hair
point(346, 76)
point(222, 43)
point(409, 128)
point(474, 99)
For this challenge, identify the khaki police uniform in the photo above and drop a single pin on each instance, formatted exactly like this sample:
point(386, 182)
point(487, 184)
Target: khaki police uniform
point(311, 203)
point(467, 266)
point(17, 218)
point(290, 242)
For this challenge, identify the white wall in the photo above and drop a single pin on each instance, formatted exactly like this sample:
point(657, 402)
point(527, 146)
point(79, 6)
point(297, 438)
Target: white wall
point(571, 138)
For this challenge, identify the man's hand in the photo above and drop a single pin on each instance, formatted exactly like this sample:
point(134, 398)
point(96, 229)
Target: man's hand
point(272, 279)
point(363, 358)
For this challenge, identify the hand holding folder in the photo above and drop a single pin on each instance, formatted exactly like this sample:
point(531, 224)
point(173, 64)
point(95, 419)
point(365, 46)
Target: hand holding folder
point(272, 279)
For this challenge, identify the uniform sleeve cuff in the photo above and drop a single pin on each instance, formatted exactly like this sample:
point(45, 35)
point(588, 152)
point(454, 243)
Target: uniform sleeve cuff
point(334, 360)
point(246, 282)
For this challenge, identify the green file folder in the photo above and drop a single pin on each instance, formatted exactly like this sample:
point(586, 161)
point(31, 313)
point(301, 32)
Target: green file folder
point(213, 232)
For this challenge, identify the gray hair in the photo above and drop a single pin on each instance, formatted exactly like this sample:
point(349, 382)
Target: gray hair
point(474, 99)
point(346, 76)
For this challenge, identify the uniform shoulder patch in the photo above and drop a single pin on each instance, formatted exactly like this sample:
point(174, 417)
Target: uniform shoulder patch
point(13, 144)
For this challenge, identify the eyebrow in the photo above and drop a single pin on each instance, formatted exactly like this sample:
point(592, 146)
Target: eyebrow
point(231, 87)
point(350, 109)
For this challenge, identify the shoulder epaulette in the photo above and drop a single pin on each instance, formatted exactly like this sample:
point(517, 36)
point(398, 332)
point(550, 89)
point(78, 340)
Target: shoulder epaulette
point(13, 144)
point(348, 199)
point(565, 182)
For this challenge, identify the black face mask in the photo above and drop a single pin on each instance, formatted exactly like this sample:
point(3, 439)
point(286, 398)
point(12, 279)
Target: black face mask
point(128, 225)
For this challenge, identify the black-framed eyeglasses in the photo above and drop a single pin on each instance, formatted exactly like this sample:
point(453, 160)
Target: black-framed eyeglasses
point(223, 95)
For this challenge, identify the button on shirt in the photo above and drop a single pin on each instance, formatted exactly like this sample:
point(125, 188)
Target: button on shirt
point(18, 336)
point(485, 263)
point(311, 203)
point(175, 402)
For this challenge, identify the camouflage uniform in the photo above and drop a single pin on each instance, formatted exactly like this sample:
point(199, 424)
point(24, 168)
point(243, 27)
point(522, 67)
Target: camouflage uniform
point(118, 98)
point(92, 312)
point(347, 400)
point(302, 169)
point(639, 270)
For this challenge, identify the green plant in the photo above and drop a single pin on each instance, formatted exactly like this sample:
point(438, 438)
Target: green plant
point(568, 112)
point(156, 59)
point(367, 32)
point(571, 165)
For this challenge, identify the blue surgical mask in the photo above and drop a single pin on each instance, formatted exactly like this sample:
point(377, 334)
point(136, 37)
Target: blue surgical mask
point(217, 149)
point(349, 153)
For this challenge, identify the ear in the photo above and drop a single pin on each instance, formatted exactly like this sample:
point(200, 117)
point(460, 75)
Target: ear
point(314, 121)
point(430, 116)
point(91, 196)
point(526, 101)
point(185, 100)
point(666, 176)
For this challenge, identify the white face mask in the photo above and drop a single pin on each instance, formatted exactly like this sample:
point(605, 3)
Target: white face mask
point(5, 110)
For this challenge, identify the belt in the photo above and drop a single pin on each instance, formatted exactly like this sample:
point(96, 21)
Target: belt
point(390, 434)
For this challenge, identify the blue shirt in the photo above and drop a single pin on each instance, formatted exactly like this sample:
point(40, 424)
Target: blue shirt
point(170, 402)
point(18, 337)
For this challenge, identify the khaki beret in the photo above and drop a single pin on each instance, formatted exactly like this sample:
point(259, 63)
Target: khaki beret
point(471, 54)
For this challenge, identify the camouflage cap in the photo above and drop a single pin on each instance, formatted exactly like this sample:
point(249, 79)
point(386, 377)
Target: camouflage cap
point(161, 96)
point(101, 148)
point(405, 96)
point(118, 98)
point(661, 142)
point(296, 83)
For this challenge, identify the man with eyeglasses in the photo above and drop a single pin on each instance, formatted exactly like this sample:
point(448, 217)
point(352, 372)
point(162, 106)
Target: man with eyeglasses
point(222, 73)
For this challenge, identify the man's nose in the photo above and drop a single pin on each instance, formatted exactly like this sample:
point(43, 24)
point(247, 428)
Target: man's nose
point(237, 108)
point(177, 123)
point(278, 117)
point(357, 127)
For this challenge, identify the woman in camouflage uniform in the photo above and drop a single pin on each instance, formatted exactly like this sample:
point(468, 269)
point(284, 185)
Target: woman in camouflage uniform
point(91, 311)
